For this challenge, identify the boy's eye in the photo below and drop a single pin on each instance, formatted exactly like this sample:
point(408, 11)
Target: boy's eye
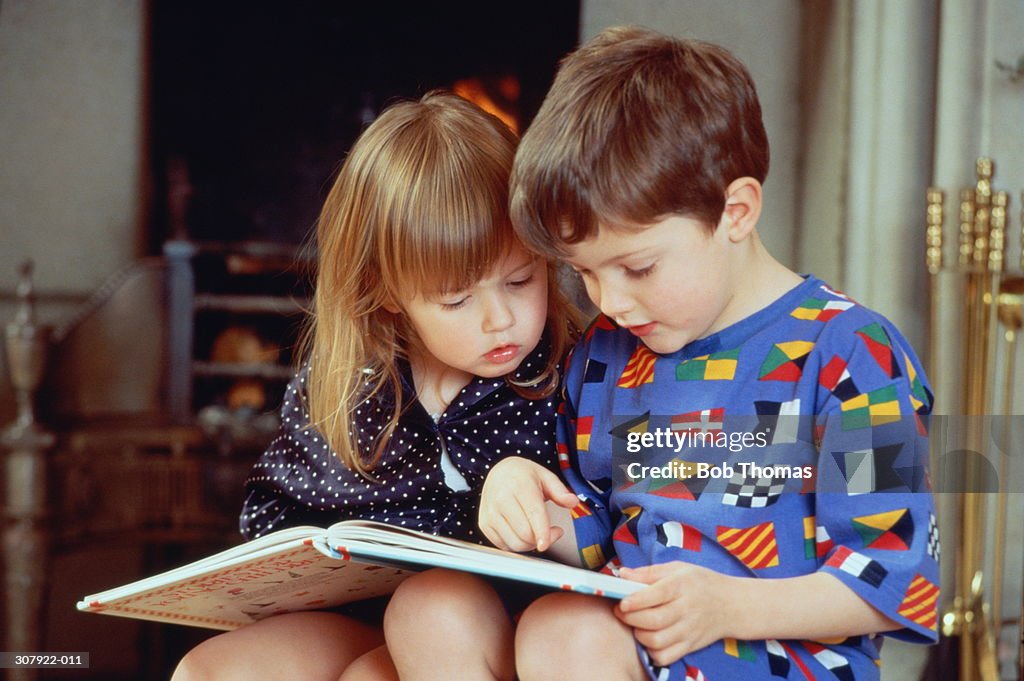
point(639, 273)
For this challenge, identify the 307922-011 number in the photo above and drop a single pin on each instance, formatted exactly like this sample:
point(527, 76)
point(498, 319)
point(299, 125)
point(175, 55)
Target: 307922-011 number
point(44, 660)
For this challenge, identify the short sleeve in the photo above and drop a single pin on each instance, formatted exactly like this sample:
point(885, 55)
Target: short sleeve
point(874, 511)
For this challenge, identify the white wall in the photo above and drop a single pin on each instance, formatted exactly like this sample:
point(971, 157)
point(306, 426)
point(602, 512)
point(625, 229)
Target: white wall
point(71, 139)
point(71, 148)
point(868, 90)
point(765, 36)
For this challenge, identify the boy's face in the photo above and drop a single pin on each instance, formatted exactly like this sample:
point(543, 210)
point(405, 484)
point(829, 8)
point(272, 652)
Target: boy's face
point(668, 283)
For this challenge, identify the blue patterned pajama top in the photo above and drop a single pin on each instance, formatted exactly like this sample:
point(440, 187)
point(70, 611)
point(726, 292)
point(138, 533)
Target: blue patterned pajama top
point(826, 405)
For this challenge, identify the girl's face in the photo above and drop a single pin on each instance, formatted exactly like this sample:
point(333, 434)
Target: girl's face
point(487, 329)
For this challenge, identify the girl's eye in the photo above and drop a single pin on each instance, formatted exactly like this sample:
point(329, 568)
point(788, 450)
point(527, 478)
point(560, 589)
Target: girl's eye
point(454, 305)
point(639, 273)
point(520, 283)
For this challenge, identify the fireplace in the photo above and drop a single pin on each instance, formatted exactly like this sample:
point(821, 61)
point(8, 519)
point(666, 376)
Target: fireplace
point(254, 104)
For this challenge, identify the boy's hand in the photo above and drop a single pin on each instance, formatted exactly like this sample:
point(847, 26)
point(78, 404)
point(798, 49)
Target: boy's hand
point(686, 608)
point(512, 513)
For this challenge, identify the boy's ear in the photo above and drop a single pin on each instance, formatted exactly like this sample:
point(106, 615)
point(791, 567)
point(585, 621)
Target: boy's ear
point(742, 208)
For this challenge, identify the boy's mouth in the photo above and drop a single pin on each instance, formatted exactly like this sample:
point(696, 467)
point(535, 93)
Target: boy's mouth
point(642, 330)
point(502, 354)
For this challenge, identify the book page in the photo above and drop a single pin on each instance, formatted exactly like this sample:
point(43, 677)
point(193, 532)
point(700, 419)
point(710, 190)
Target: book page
point(565, 549)
point(365, 540)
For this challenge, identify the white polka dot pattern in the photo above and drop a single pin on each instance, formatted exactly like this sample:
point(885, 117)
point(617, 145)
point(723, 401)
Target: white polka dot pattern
point(299, 481)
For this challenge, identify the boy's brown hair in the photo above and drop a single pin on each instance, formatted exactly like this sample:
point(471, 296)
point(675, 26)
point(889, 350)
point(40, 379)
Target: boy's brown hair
point(637, 125)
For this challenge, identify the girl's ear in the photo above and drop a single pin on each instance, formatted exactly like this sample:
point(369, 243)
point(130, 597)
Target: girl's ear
point(742, 208)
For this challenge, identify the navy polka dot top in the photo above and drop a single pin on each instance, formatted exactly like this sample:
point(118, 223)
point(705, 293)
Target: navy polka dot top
point(430, 476)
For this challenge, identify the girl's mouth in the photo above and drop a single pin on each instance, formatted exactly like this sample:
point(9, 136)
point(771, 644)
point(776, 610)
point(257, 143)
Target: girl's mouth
point(502, 354)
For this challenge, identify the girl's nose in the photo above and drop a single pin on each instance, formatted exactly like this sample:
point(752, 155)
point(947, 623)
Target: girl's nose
point(498, 316)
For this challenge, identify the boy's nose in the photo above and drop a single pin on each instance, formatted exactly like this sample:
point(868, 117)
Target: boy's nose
point(498, 316)
point(612, 301)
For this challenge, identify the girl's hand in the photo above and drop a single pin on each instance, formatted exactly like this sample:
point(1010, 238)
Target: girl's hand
point(686, 608)
point(512, 513)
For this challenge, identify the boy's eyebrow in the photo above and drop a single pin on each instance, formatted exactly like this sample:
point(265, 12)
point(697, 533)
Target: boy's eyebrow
point(614, 258)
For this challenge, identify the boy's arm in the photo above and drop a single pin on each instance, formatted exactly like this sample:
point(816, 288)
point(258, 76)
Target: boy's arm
point(689, 607)
point(816, 606)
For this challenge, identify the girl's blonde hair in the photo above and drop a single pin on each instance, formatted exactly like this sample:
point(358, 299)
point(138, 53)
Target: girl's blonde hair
point(420, 205)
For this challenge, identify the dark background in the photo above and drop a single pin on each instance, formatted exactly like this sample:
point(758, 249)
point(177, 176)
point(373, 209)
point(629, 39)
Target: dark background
point(262, 100)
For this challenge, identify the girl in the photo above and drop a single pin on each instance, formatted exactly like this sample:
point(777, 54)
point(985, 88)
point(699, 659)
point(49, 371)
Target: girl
point(432, 354)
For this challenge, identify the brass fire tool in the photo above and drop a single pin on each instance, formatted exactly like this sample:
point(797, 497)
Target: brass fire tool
point(991, 298)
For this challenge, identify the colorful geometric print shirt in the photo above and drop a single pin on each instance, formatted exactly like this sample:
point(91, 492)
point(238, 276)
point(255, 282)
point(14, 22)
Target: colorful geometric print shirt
point(430, 476)
point(788, 443)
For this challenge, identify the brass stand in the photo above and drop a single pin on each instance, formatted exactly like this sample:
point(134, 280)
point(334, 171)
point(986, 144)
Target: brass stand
point(990, 298)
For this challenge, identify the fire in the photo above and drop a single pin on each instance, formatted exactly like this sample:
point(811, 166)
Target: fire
point(497, 97)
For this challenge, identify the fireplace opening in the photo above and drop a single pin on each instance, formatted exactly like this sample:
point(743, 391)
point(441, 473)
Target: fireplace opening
point(253, 107)
point(255, 104)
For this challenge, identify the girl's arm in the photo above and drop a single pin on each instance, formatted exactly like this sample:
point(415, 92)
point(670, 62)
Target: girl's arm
point(513, 510)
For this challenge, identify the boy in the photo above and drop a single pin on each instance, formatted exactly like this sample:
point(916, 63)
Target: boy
point(643, 171)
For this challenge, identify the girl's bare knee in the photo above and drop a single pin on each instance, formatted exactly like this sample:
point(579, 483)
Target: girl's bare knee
point(278, 646)
point(375, 665)
point(200, 663)
point(438, 600)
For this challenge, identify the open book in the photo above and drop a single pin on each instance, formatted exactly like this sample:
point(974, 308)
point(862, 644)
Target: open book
point(310, 568)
